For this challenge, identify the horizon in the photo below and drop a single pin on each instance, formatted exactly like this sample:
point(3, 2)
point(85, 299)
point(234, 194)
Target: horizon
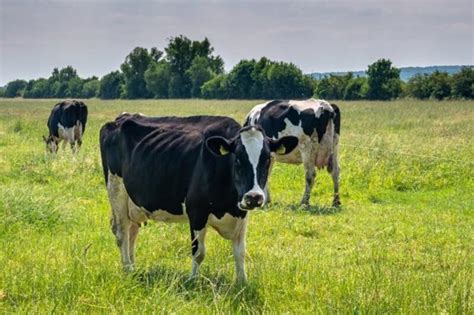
point(409, 33)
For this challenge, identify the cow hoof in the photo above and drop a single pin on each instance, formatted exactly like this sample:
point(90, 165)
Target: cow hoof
point(336, 203)
point(304, 203)
point(128, 268)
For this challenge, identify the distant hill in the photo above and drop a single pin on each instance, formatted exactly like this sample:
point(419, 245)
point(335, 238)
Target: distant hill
point(405, 72)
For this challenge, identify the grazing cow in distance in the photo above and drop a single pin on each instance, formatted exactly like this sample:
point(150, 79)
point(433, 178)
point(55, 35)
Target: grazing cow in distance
point(206, 170)
point(67, 122)
point(316, 124)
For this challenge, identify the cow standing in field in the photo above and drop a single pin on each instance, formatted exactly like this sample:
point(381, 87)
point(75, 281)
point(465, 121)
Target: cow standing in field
point(206, 170)
point(67, 122)
point(316, 124)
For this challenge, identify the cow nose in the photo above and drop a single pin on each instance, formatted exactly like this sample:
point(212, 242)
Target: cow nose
point(253, 199)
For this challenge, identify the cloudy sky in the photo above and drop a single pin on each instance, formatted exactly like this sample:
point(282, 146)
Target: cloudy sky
point(331, 35)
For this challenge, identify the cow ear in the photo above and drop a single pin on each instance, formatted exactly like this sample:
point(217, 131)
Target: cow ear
point(283, 145)
point(219, 146)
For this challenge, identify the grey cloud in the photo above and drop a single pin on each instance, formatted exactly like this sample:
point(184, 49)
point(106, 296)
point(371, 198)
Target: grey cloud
point(95, 36)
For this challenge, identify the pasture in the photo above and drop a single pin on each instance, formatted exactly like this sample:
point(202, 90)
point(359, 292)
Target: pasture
point(403, 241)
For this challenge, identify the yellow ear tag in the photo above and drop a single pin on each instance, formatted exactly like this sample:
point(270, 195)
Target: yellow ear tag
point(223, 150)
point(281, 149)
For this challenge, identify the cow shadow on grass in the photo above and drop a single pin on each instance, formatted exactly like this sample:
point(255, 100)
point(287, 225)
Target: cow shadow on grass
point(312, 209)
point(241, 297)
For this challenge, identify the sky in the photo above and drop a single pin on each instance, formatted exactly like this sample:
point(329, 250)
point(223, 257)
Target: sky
point(318, 36)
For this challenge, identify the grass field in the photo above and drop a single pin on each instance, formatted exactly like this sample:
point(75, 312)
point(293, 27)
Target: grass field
point(403, 241)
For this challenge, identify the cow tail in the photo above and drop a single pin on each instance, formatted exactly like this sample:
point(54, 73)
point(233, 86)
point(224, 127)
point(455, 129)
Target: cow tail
point(336, 118)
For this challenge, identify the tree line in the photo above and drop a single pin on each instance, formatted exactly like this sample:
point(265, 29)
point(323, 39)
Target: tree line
point(191, 69)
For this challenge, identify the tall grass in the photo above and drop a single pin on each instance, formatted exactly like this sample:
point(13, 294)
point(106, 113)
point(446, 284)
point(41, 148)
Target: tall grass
point(401, 243)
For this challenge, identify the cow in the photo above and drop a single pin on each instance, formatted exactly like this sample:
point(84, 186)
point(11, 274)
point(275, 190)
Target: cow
point(204, 170)
point(67, 122)
point(316, 124)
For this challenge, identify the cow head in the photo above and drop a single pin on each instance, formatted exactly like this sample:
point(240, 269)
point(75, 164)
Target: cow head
point(251, 151)
point(51, 144)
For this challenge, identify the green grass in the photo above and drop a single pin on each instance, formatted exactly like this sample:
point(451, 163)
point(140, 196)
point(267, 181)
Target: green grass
point(402, 242)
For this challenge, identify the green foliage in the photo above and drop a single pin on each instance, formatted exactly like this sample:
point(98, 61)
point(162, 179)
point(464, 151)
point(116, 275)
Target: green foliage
point(440, 85)
point(110, 85)
point(91, 88)
point(157, 79)
point(181, 53)
point(383, 80)
point(215, 88)
point(356, 89)
point(189, 68)
point(134, 67)
point(463, 83)
point(199, 72)
point(74, 88)
point(419, 86)
point(15, 88)
point(2, 91)
point(261, 79)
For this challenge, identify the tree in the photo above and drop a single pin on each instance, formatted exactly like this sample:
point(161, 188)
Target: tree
point(199, 72)
point(15, 88)
point(37, 89)
point(419, 86)
point(440, 85)
point(91, 88)
point(74, 87)
point(240, 80)
point(355, 89)
point(333, 86)
point(462, 83)
point(383, 80)
point(157, 79)
point(180, 53)
point(110, 85)
point(134, 67)
point(215, 88)
point(285, 80)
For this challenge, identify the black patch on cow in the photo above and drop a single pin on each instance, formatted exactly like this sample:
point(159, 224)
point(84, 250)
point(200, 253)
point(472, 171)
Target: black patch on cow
point(164, 164)
point(273, 115)
point(67, 113)
point(337, 119)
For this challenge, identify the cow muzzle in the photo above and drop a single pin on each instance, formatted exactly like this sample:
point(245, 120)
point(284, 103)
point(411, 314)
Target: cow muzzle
point(252, 200)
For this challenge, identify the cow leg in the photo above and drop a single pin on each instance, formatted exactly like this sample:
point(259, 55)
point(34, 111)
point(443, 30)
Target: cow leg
point(134, 229)
point(238, 247)
point(308, 159)
point(120, 221)
point(267, 188)
point(198, 249)
point(334, 170)
point(78, 136)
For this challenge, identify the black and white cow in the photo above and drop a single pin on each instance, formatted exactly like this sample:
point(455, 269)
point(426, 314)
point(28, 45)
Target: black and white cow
point(206, 170)
point(67, 122)
point(316, 124)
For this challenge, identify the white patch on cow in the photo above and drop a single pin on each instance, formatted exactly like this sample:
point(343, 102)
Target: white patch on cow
point(139, 214)
point(318, 106)
point(165, 216)
point(67, 134)
point(198, 257)
point(233, 228)
point(252, 140)
point(254, 113)
point(120, 221)
point(229, 227)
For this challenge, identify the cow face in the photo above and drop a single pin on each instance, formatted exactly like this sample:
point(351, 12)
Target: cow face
point(51, 144)
point(251, 152)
